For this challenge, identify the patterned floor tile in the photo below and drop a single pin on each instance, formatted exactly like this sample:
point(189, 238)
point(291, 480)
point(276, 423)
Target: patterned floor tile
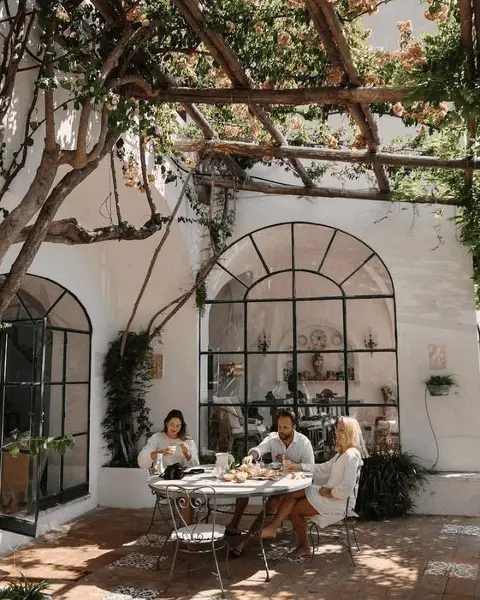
point(461, 530)
point(459, 570)
point(123, 592)
point(151, 540)
point(436, 567)
point(452, 529)
point(464, 571)
point(282, 551)
point(471, 530)
point(136, 560)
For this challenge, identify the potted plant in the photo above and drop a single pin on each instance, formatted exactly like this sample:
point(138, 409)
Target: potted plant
point(25, 590)
point(439, 385)
point(388, 485)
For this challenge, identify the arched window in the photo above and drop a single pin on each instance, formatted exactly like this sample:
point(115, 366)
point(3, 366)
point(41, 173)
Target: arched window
point(301, 316)
point(44, 390)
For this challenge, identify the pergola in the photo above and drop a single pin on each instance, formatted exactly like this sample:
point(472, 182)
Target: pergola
point(356, 98)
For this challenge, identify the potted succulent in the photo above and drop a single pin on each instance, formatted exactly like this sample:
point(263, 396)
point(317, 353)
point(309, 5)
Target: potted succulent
point(439, 385)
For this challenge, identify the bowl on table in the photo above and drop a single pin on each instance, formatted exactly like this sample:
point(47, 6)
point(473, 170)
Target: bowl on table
point(276, 466)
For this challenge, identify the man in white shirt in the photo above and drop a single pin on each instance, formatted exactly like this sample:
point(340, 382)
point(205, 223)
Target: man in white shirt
point(285, 443)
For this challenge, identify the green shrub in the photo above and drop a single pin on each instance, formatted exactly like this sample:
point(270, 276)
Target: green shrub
point(438, 380)
point(24, 590)
point(388, 484)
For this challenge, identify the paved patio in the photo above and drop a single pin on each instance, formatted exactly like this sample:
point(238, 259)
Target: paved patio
point(106, 556)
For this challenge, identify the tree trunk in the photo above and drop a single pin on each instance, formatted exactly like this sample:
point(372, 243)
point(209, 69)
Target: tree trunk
point(37, 235)
point(20, 216)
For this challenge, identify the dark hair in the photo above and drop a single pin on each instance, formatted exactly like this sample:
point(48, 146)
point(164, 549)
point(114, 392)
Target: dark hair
point(176, 414)
point(283, 412)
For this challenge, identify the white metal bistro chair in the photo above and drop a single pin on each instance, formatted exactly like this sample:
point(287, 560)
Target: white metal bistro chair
point(199, 537)
point(348, 521)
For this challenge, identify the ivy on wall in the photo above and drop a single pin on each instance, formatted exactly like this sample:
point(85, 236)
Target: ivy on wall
point(127, 379)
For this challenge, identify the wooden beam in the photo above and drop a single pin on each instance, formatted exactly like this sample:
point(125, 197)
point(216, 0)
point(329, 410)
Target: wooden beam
point(348, 156)
point(466, 35)
point(193, 14)
point(283, 190)
point(199, 119)
point(286, 97)
point(324, 192)
point(476, 13)
point(336, 32)
point(330, 30)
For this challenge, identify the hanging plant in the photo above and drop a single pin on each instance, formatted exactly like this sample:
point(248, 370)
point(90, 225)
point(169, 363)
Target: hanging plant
point(439, 385)
point(128, 379)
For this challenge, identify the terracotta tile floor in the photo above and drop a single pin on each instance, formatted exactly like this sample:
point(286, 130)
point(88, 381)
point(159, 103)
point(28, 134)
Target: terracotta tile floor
point(106, 556)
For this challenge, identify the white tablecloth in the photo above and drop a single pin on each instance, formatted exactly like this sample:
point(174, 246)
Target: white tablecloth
point(284, 485)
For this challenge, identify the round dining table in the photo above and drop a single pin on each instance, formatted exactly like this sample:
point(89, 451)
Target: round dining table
point(258, 488)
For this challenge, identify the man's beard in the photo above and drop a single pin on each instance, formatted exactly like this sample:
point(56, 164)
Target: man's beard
point(285, 436)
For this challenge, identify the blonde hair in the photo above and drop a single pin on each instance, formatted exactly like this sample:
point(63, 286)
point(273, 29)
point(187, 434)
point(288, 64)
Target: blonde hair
point(353, 434)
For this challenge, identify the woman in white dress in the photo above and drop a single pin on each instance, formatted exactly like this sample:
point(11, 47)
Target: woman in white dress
point(173, 443)
point(326, 503)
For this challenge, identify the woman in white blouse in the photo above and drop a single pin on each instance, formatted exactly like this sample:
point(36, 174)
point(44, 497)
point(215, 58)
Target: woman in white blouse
point(326, 503)
point(173, 443)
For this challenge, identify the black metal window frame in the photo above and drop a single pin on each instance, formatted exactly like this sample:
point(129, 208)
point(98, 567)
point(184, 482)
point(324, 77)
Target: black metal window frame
point(71, 493)
point(342, 296)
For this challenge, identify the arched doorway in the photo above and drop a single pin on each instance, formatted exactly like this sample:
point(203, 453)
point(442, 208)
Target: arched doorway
point(45, 353)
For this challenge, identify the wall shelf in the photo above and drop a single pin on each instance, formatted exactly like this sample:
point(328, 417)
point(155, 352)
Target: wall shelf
point(326, 381)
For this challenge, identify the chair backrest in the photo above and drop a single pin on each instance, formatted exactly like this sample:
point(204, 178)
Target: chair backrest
point(196, 501)
point(352, 499)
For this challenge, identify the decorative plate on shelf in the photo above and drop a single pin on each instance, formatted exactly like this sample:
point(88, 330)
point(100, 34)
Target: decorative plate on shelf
point(318, 338)
point(302, 340)
point(336, 339)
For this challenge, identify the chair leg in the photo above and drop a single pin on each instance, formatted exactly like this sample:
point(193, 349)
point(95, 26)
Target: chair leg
point(174, 560)
point(162, 551)
point(349, 544)
point(313, 527)
point(355, 536)
point(209, 511)
point(214, 551)
point(226, 560)
point(153, 516)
